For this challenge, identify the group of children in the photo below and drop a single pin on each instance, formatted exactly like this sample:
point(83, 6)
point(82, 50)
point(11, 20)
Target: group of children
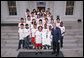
point(37, 26)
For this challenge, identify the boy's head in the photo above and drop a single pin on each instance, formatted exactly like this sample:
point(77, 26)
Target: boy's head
point(33, 20)
point(32, 13)
point(51, 16)
point(57, 17)
point(27, 9)
point(54, 25)
point(37, 10)
point(50, 27)
point(45, 16)
point(43, 10)
point(46, 19)
point(61, 23)
point(40, 28)
point(27, 26)
point(34, 25)
point(22, 26)
point(58, 20)
point(38, 16)
point(47, 12)
point(22, 20)
point(45, 26)
point(28, 17)
point(34, 10)
point(40, 21)
point(48, 9)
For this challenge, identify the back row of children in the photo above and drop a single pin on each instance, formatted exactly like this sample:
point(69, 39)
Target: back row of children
point(37, 26)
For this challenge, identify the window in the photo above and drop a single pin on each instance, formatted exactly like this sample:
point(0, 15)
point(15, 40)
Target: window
point(69, 7)
point(12, 7)
point(41, 4)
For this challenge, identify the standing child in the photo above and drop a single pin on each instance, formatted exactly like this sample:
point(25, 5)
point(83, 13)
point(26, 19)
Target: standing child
point(49, 39)
point(21, 36)
point(62, 27)
point(33, 34)
point(27, 36)
point(38, 39)
point(44, 37)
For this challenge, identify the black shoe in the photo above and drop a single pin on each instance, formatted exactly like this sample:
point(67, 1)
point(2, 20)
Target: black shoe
point(57, 54)
point(36, 53)
point(40, 52)
point(17, 49)
point(53, 52)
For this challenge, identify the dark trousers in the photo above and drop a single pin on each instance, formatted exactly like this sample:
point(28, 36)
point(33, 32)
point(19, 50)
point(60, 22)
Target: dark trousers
point(62, 41)
point(56, 47)
point(21, 42)
point(26, 42)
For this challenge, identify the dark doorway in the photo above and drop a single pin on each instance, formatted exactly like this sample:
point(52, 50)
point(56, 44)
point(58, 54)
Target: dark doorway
point(40, 8)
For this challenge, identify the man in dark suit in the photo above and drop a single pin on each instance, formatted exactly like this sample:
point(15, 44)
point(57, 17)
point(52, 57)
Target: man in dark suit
point(56, 36)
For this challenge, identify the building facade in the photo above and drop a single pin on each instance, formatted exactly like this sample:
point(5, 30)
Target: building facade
point(67, 10)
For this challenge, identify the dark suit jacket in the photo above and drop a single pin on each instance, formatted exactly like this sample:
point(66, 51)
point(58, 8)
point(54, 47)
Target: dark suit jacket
point(56, 34)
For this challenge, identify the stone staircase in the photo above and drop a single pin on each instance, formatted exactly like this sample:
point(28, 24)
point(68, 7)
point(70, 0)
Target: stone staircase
point(73, 41)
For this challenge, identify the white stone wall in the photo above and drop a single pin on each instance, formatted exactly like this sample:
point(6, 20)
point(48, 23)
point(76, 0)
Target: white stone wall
point(57, 8)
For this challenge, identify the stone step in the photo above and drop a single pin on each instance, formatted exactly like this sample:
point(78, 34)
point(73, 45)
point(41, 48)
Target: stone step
point(9, 34)
point(5, 31)
point(75, 45)
point(11, 41)
point(68, 36)
point(14, 41)
point(10, 37)
point(16, 33)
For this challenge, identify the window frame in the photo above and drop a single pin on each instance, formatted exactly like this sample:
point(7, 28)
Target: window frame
point(9, 7)
point(67, 7)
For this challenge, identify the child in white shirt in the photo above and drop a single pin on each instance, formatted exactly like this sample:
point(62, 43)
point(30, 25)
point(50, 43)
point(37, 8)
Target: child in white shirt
point(21, 36)
point(38, 39)
point(49, 39)
point(62, 32)
point(44, 36)
point(34, 29)
point(27, 36)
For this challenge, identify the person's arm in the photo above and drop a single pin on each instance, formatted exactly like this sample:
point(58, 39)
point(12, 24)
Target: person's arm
point(63, 31)
point(52, 32)
point(18, 33)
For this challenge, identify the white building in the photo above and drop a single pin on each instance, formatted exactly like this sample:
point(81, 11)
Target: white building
point(74, 9)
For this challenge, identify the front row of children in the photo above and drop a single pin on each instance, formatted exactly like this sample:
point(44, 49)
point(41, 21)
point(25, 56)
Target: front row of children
point(41, 37)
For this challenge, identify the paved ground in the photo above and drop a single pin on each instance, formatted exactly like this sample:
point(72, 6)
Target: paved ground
point(73, 41)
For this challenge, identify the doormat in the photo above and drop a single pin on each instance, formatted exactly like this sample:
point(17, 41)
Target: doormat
point(44, 54)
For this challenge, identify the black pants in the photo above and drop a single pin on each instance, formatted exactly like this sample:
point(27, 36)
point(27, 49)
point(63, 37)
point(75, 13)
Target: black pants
point(56, 47)
point(26, 42)
point(21, 42)
point(62, 41)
